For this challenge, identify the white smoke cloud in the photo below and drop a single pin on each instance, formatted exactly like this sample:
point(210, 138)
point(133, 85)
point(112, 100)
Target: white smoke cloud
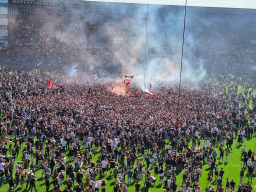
point(126, 46)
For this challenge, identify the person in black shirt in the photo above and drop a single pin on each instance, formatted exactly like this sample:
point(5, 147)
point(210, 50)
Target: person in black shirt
point(33, 183)
point(221, 154)
point(1, 176)
point(11, 182)
point(56, 187)
point(79, 177)
point(249, 187)
point(72, 175)
point(240, 188)
point(250, 172)
point(220, 188)
point(148, 162)
point(69, 183)
point(249, 153)
point(221, 173)
point(112, 166)
point(117, 188)
point(174, 186)
point(232, 184)
point(227, 185)
point(219, 182)
point(78, 188)
point(245, 159)
point(168, 163)
point(212, 189)
point(47, 182)
point(160, 161)
point(17, 177)
point(241, 175)
point(14, 153)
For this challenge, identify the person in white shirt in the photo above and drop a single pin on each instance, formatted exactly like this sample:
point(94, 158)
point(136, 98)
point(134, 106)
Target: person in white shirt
point(104, 166)
point(125, 188)
point(204, 145)
point(249, 162)
point(63, 144)
point(243, 151)
point(30, 173)
point(243, 132)
point(64, 160)
point(97, 186)
point(207, 143)
point(60, 176)
point(88, 145)
point(27, 156)
point(81, 171)
point(93, 184)
point(1, 165)
point(121, 175)
point(168, 183)
point(18, 166)
point(89, 170)
point(114, 144)
point(73, 144)
point(187, 132)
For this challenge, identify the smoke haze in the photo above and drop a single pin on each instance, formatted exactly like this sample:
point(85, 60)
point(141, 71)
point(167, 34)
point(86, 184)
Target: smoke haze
point(140, 40)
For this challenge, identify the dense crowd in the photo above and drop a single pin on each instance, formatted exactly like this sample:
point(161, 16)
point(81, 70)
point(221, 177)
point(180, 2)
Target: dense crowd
point(75, 134)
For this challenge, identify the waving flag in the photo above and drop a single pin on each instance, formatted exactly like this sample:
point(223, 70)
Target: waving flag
point(127, 79)
point(152, 81)
point(50, 83)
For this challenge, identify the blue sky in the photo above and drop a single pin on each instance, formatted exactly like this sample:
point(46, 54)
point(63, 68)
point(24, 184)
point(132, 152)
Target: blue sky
point(204, 3)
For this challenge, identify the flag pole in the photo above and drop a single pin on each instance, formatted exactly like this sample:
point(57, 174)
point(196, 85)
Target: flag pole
point(146, 47)
point(183, 39)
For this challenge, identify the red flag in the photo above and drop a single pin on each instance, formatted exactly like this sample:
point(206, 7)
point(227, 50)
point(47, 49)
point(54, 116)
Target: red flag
point(50, 83)
point(127, 82)
point(127, 79)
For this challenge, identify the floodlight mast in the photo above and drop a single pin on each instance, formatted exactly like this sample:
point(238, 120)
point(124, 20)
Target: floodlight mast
point(145, 64)
point(183, 39)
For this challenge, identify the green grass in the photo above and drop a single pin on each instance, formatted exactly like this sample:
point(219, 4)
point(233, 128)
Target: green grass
point(232, 170)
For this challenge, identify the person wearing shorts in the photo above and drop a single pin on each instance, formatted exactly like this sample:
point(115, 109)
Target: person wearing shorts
point(241, 175)
point(112, 166)
point(216, 171)
point(137, 186)
point(104, 166)
point(161, 175)
point(209, 179)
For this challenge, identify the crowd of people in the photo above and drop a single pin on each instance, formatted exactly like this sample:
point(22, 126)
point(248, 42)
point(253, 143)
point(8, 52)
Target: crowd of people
point(80, 136)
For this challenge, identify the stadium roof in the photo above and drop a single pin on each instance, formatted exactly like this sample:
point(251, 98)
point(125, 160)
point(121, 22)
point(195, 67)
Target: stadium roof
point(245, 4)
